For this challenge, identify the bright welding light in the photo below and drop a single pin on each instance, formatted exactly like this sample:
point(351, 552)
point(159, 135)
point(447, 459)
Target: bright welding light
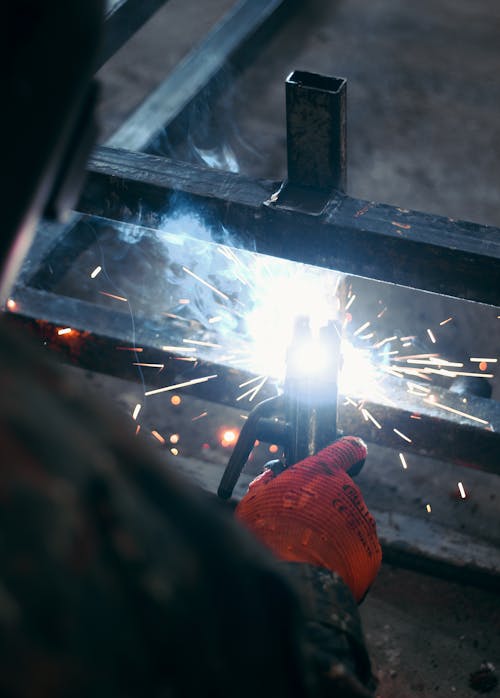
point(288, 292)
point(309, 359)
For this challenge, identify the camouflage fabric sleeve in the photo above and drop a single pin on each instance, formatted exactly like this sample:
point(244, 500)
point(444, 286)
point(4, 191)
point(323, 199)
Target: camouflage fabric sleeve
point(117, 578)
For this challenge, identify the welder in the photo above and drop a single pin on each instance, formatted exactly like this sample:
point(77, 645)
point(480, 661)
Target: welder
point(116, 577)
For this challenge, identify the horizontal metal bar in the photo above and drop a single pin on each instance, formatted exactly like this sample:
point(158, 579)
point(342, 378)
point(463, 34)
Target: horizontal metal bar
point(438, 433)
point(123, 19)
point(192, 74)
point(378, 241)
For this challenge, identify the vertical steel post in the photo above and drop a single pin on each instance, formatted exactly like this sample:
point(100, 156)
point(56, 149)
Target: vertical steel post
point(316, 131)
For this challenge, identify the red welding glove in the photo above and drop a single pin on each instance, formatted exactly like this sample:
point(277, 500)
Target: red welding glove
point(314, 513)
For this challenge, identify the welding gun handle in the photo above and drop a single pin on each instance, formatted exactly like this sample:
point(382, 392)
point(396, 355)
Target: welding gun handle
point(244, 446)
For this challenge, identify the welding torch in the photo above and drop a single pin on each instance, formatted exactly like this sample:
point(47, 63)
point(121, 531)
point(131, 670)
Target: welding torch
point(303, 419)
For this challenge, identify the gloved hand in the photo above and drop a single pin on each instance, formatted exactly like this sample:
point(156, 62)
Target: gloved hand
point(313, 512)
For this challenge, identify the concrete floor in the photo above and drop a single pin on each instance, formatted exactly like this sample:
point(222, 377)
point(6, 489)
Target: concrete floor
point(424, 133)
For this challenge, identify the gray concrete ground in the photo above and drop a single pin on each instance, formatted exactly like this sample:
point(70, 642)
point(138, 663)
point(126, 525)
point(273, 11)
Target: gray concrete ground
point(424, 133)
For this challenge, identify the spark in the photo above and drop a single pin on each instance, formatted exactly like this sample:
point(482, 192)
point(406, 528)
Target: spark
point(138, 363)
point(195, 381)
point(202, 344)
point(158, 436)
point(445, 322)
point(416, 356)
point(462, 490)
point(454, 374)
point(434, 362)
point(96, 272)
point(176, 400)
point(138, 349)
point(431, 335)
point(212, 288)
point(431, 401)
point(172, 316)
point(183, 349)
point(174, 451)
point(351, 402)
point(487, 361)
point(415, 416)
point(407, 344)
point(384, 341)
point(184, 301)
point(403, 436)
point(215, 319)
point(138, 428)
point(136, 411)
point(252, 380)
point(200, 416)
point(367, 336)
point(11, 304)
point(174, 438)
point(273, 448)
point(350, 301)
point(403, 461)
point(252, 392)
point(66, 330)
point(407, 339)
point(371, 418)
point(382, 312)
point(360, 329)
point(112, 295)
point(417, 386)
point(428, 507)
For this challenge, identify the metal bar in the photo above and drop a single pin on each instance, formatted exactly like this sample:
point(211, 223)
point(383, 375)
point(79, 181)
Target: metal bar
point(439, 434)
point(199, 67)
point(377, 241)
point(316, 131)
point(123, 19)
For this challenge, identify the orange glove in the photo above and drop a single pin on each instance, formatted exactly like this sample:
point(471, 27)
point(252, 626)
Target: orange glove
point(314, 513)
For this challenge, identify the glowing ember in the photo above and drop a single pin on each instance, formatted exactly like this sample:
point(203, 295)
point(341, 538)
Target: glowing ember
point(174, 451)
point(176, 400)
point(96, 272)
point(431, 335)
point(273, 448)
point(174, 438)
point(403, 461)
point(229, 437)
point(462, 490)
point(429, 509)
point(112, 295)
point(11, 304)
point(66, 330)
point(136, 411)
point(158, 436)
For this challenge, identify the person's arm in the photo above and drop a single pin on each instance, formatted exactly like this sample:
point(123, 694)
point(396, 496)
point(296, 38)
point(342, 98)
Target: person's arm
point(313, 517)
